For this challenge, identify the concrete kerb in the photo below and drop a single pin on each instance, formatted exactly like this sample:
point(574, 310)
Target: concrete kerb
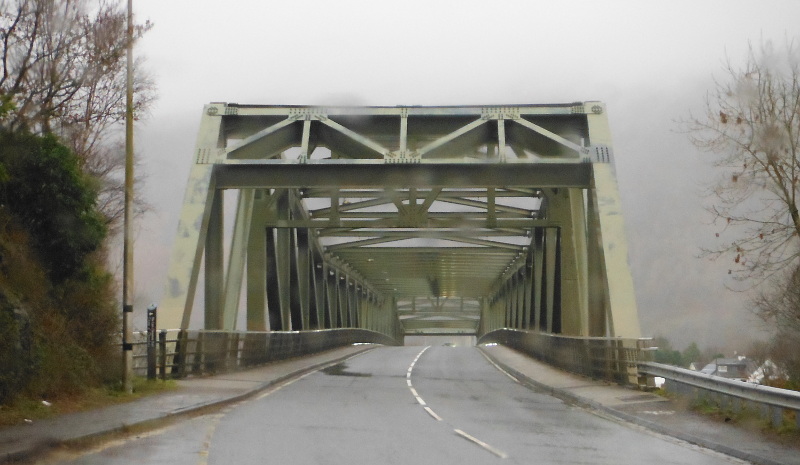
point(590, 404)
point(213, 405)
point(40, 448)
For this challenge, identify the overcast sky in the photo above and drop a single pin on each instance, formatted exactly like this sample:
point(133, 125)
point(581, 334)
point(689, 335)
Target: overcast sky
point(651, 64)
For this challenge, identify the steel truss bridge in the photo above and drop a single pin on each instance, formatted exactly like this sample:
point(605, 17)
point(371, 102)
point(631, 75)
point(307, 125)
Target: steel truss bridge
point(403, 220)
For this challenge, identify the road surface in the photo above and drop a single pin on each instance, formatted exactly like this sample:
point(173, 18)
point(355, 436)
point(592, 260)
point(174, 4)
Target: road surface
point(400, 405)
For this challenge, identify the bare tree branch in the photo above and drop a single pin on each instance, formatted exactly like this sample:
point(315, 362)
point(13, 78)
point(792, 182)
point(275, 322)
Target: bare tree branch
point(751, 123)
point(64, 70)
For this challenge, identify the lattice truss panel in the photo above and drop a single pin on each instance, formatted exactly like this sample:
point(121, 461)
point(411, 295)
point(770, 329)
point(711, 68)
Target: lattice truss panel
point(404, 220)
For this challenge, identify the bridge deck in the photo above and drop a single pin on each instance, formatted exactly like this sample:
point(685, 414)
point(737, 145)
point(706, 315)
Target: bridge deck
point(26, 440)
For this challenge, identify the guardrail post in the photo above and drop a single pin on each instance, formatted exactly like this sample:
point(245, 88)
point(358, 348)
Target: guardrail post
point(777, 417)
point(162, 354)
point(199, 363)
point(151, 341)
point(179, 359)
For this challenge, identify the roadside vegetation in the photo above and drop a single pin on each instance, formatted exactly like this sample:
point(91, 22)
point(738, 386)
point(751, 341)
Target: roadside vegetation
point(61, 102)
point(751, 128)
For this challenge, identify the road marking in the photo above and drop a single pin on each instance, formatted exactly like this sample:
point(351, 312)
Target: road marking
point(432, 413)
point(477, 441)
point(283, 385)
point(499, 368)
point(408, 379)
point(211, 428)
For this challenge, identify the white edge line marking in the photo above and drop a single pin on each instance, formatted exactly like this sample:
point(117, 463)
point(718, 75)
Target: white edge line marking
point(432, 413)
point(421, 402)
point(477, 441)
point(283, 385)
point(499, 367)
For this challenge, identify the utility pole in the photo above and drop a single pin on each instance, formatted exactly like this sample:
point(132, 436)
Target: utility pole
point(127, 267)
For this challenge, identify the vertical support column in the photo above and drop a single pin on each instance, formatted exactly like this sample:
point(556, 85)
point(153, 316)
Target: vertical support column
point(498, 311)
point(176, 306)
point(320, 292)
point(551, 249)
point(511, 303)
point(506, 306)
point(608, 245)
point(598, 303)
point(519, 294)
point(609, 256)
point(349, 293)
point(579, 256)
point(272, 287)
point(295, 305)
point(566, 208)
point(237, 258)
point(257, 303)
point(331, 280)
point(359, 301)
point(537, 245)
point(303, 269)
point(283, 262)
point(214, 265)
point(484, 319)
point(396, 326)
point(344, 309)
point(528, 289)
point(366, 310)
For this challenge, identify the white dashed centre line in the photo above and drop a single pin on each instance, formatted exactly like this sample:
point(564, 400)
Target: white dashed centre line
point(436, 417)
point(477, 441)
point(414, 392)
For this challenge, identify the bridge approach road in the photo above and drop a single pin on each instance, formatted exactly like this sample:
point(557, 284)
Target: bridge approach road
point(440, 405)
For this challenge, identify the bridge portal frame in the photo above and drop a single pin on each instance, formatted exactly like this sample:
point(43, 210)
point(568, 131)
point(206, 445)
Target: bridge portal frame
point(571, 277)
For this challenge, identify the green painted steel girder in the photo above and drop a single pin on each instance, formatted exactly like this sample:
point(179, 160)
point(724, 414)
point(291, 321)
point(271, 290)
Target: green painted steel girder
point(411, 220)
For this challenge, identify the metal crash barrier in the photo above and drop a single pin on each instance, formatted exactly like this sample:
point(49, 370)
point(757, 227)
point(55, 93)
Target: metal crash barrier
point(727, 394)
point(181, 353)
point(611, 359)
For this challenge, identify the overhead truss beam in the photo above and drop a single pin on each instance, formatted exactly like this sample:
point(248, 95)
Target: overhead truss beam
point(404, 219)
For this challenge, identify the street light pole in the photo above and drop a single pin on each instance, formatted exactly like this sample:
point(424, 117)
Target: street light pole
point(127, 268)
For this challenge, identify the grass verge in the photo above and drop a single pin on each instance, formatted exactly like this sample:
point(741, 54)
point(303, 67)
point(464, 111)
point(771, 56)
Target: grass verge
point(27, 410)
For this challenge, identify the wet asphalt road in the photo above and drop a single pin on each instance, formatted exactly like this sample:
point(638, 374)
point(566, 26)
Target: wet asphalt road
point(400, 405)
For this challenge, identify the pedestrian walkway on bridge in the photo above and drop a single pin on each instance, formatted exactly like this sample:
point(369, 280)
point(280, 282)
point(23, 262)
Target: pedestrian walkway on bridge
point(205, 394)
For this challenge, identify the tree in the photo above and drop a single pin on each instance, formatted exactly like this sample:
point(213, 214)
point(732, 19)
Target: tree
point(53, 199)
point(779, 306)
point(59, 318)
point(752, 123)
point(64, 72)
point(691, 354)
point(666, 354)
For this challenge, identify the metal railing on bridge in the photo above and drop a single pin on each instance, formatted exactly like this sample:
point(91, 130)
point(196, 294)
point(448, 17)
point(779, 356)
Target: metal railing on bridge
point(610, 358)
point(180, 353)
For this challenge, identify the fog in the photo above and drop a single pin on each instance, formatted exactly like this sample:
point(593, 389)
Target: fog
point(651, 65)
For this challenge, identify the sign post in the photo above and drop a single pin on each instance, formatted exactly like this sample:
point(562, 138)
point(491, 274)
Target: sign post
point(151, 341)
